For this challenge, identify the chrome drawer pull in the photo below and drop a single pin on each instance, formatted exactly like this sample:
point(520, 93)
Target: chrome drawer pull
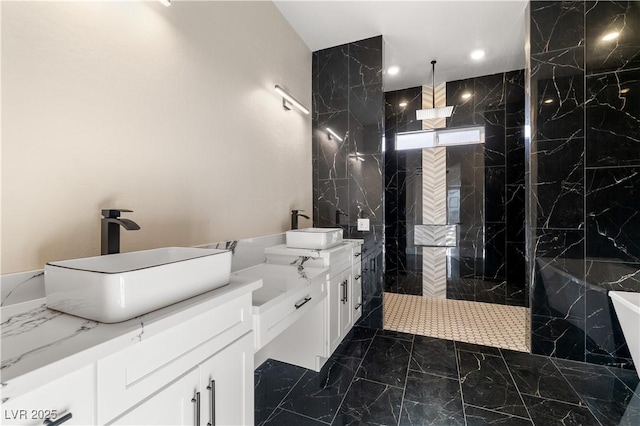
point(356, 254)
point(357, 277)
point(212, 403)
point(302, 302)
point(59, 421)
point(357, 306)
point(196, 409)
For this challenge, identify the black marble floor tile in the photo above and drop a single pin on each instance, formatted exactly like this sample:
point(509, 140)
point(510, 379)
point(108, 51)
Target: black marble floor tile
point(486, 383)
point(386, 361)
point(611, 401)
point(538, 376)
point(470, 347)
point(284, 417)
point(434, 356)
point(479, 417)
point(395, 335)
point(355, 344)
point(370, 403)
point(319, 395)
point(272, 382)
point(551, 413)
point(432, 400)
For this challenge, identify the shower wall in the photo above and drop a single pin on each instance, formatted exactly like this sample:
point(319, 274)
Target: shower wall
point(584, 175)
point(488, 265)
point(497, 273)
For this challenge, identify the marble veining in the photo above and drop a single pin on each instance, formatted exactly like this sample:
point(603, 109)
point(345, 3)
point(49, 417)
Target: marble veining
point(21, 287)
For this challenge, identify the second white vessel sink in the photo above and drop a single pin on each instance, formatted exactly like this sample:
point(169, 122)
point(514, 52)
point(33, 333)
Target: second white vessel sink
point(118, 287)
point(314, 238)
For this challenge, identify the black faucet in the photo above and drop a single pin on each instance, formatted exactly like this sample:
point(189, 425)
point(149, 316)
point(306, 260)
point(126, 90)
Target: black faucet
point(338, 214)
point(294, 218)
point(110, 229)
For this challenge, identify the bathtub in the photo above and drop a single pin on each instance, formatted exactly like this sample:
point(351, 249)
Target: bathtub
point(627, 306)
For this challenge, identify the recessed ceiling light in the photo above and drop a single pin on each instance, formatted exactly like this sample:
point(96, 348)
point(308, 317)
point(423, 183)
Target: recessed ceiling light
point(466, 95)
point(548, 101)
point(477, 54)
point(393, 70)
point(625, 90)
point(610, 36)
point(402, 104)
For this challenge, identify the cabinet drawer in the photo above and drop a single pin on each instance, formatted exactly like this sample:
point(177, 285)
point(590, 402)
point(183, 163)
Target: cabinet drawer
point(127, 377)
point(268, 324)
point(73, 393)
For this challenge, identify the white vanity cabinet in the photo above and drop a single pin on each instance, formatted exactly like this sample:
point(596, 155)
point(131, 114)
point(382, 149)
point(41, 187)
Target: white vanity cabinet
point(344, 298)
point(71, 395)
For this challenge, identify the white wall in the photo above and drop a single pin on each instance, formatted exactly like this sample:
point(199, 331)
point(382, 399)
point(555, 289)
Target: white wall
point(167, 111)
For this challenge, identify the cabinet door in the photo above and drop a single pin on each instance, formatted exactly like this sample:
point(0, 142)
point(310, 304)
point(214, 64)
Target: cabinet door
point(226, 384)
point(175, 404)
point(346, 313)
point(72, 394)
point(334, 297)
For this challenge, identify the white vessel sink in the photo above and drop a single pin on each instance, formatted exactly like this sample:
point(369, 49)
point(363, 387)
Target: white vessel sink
point(118, 287)
point(314, 238)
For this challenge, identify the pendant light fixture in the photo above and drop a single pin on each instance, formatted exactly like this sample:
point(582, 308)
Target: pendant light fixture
point(431, 113)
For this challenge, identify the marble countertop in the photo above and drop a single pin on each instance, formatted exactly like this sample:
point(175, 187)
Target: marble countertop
point(40, 345)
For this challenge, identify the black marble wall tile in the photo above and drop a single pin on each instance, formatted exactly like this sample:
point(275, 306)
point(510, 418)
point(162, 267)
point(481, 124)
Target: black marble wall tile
point(366, 123)
point(463, 111)
point(515, 212)
point(514, 98)
point(613, 117)
point(613, 275)
point(494, 138)
point(515, 155)
point(332, 154)
point(623, 52)
point(365, 62)
point(495, 251)
point(489, 92)
point(516, 293)
point(331, 80)
point(559, 189)
point(495, 194)
point(557, 93)
point(332, 202)
point(365, 188)
point(556, 25)
point(613, 222)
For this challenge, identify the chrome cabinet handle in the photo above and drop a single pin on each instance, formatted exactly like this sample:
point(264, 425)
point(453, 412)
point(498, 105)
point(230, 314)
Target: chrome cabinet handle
point(59, 421)
point(357, 306)
point(357, 254)
point(212, 403)
point(344, 291)
point(196, 409)
point(302, 302)
point(357, 277)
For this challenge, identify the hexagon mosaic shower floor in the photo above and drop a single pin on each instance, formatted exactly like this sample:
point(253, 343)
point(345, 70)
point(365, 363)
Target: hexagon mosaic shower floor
point(471, 322)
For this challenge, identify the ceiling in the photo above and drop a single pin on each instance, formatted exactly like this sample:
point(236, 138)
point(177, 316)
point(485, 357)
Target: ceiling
point(417, 32)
